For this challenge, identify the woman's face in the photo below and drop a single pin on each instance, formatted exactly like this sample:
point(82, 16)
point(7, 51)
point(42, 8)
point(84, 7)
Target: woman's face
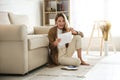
point(60, 22)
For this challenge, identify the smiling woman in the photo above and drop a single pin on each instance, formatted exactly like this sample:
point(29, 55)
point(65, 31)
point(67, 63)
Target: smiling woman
point(62, 55)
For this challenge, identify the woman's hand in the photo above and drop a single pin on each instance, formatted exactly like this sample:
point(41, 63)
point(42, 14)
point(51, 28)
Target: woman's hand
point(76, 33)
point(73, 31)
point(56, 42)
point(81, 34)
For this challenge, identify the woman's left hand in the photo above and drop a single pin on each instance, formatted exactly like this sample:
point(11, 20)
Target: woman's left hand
point(73, 31)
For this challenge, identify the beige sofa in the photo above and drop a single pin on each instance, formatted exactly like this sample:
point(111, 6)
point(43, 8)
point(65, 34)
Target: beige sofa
point(21, 50)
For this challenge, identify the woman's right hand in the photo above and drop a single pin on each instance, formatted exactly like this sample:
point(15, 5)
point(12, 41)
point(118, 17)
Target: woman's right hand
point(56, 42)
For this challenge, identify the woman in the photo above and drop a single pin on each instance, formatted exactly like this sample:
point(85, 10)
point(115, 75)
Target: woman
point(63, 55)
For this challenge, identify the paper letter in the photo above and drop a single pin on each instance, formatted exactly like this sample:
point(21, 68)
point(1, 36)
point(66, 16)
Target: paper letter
point(65, 38)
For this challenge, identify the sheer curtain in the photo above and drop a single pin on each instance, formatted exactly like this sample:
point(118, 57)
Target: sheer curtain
point(85, 12)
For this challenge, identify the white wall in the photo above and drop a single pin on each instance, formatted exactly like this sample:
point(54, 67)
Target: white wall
point(32, 8)
point(113, 14)
point(84, 12)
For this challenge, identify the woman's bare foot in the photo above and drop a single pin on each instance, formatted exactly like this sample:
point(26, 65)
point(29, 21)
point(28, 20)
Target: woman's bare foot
point(84, 63)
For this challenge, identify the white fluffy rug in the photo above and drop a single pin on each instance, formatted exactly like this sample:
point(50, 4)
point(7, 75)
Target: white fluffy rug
point(57, 73)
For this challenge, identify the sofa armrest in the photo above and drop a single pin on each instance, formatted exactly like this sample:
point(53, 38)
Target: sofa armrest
point(13, 32)
point(41, 30)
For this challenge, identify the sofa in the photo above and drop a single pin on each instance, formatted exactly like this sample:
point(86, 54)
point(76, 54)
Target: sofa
point(21, 49)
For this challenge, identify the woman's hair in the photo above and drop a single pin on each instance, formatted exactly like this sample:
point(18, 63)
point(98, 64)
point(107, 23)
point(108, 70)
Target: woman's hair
point(66, 21)
point(59, 15)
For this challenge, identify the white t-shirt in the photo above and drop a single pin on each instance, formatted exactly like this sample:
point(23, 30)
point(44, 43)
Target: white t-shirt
point(59, 31)
point(62, 49)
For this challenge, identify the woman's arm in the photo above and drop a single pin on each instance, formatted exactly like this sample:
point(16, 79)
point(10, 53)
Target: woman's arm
point(53, 40)
point(56, 42)
point(74, 32)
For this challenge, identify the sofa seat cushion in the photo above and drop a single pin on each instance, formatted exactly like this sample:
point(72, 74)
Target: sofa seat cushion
point(36, 41)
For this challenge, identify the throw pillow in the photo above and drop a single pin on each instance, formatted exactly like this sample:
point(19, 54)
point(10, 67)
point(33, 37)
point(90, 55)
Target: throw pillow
point(4, 19)
point(21, 19)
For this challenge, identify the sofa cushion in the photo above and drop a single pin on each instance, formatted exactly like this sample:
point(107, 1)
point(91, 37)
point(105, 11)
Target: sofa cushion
point(21, 19)
point(41, 29)
point(4, 19)
point(36, 41)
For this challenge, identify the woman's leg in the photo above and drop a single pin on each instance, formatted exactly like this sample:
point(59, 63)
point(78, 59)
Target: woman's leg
point(80, 57)
point(67, 60)
point(76, 45)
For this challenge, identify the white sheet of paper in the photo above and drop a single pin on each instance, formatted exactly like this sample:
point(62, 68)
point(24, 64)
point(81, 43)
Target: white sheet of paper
point(65, 38)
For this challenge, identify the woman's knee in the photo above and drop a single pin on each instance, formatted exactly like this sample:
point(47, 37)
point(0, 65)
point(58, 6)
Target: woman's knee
point(77, 37)
point(77, 62)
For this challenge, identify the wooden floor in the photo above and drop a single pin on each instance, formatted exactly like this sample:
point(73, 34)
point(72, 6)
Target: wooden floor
point(107, 69)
